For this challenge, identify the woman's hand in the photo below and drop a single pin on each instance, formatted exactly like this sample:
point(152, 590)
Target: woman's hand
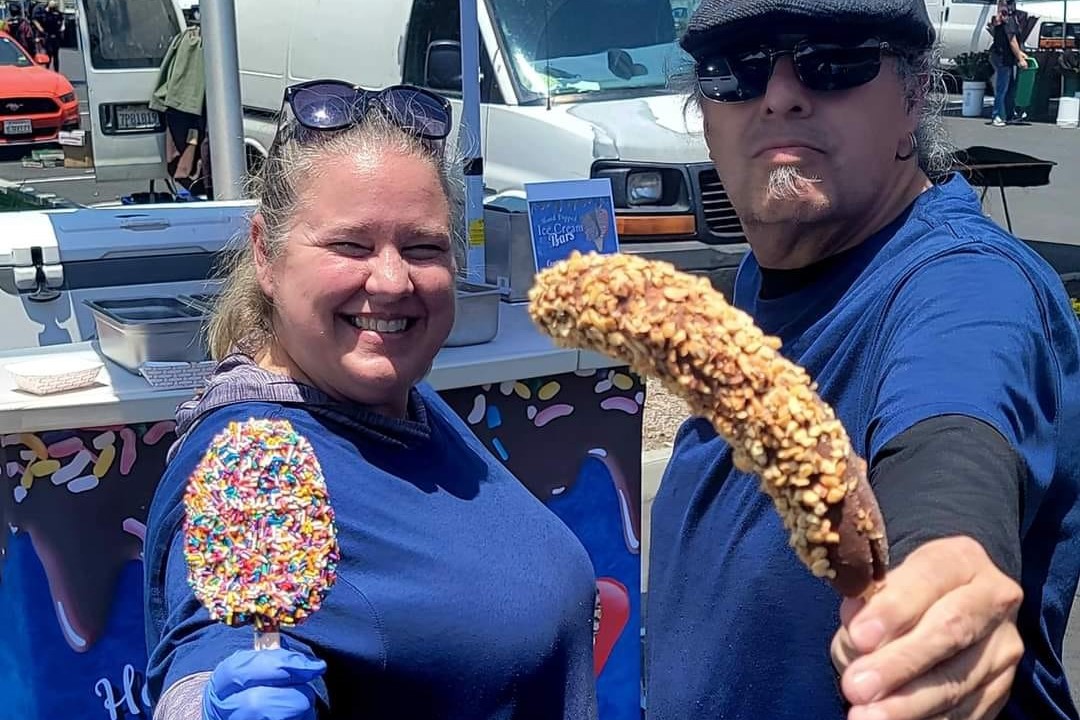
point(262, 685)
point(939, 640)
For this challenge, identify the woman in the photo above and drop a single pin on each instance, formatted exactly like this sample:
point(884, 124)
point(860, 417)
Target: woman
point(459, 595)
point(1005, 55)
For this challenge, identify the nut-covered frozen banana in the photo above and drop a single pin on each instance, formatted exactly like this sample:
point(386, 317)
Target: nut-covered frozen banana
point(677, 328)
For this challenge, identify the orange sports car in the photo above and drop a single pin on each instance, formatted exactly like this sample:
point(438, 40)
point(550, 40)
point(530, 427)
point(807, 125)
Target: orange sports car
point(35, 102)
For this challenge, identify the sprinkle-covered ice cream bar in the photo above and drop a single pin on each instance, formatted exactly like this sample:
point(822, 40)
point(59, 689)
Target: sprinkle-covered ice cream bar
point(260, 541)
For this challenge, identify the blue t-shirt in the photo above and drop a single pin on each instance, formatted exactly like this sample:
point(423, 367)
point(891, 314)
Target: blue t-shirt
point(940, 313)
point(459, 595)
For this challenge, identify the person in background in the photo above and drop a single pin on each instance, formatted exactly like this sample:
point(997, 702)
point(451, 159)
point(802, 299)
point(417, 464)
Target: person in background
point(36, 14)
point(1005, 56)
point(21, 29)
point(947, 348)
point(52, 29)
point(459, 594)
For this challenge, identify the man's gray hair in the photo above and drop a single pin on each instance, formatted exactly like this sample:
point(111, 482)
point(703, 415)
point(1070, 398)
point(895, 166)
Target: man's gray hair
point(924, 85)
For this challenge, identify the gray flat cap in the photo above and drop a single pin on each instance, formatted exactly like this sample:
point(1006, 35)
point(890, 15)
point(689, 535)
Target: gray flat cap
point(717, 23)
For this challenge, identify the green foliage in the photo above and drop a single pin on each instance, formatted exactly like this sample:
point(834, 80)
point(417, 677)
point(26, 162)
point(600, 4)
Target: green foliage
point(974, 67)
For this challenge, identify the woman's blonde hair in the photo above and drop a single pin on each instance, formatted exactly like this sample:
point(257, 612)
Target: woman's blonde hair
point(241, 319)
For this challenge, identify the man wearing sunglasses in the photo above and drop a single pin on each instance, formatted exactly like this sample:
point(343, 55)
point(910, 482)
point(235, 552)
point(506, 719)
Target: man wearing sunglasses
point(951, 355)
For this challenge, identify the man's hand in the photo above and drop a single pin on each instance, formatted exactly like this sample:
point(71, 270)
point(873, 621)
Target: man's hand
point(1024, 63)
point(938, 641)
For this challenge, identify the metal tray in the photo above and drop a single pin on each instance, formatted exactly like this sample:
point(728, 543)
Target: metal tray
point(477, 314)
point(152, 329)
point(139, 311)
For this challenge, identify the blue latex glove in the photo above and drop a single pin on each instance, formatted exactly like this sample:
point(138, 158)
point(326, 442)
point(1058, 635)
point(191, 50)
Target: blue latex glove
point(262, 685)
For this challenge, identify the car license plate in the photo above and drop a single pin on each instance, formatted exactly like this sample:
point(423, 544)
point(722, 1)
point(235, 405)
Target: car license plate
point(18, 127)
point(136, 117)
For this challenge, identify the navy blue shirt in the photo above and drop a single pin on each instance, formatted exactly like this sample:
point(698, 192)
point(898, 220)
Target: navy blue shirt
point(940, 313)
point(459, 595)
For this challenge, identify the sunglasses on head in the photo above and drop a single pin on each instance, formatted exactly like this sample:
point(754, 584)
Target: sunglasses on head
point(327, 105)
point(820, 66)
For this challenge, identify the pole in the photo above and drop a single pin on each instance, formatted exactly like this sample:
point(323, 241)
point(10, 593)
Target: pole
point(225, 124)
point(469, 140)
point(1064, 25)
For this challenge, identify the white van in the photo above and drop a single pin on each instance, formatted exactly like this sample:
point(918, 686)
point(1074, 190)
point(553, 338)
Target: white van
point(570, 89)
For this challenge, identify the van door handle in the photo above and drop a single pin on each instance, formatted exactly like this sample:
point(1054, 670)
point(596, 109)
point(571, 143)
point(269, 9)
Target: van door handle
point(947, 9)
point(146, 225)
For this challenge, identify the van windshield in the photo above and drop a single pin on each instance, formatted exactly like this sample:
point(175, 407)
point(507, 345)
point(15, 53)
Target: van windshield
point(558, 47)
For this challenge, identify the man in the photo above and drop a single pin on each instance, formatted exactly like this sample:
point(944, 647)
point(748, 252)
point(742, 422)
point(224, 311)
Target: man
point(52, 25)
point(21, 29)
point(949, 352)
point(1005, 56)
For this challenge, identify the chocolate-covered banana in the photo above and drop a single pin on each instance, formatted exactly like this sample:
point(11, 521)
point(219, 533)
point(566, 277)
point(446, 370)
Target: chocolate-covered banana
point(677, 328)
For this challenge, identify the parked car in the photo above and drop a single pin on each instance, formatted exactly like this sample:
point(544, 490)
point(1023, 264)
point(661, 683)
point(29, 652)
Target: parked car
point(35, 102)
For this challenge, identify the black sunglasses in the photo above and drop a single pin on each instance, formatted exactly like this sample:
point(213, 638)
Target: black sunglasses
point(820, 66)
point(329, 105)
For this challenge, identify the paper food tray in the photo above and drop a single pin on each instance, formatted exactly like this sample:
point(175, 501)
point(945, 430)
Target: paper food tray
point(176, 374)
point(49, 375)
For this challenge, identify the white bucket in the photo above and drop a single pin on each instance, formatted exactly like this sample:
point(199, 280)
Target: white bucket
point(1068, 112)
point(974, 94)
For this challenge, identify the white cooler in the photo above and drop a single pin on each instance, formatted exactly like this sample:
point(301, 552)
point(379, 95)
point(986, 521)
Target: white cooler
point(51, 261)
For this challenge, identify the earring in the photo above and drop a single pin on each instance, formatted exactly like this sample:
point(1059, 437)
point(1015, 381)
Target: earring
point(914, 148)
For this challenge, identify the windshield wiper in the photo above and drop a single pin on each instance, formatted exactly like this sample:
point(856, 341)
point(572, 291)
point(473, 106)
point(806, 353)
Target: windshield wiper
point(560, 74)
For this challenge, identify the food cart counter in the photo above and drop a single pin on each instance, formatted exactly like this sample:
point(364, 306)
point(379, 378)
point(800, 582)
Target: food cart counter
point(80, 469)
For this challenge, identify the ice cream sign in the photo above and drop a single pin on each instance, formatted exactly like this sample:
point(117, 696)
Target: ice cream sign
point(570, 215)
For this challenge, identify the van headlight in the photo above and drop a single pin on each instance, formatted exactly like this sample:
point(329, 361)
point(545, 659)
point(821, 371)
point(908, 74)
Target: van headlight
point(652, 200)
point(639, 186)
point(644, 188)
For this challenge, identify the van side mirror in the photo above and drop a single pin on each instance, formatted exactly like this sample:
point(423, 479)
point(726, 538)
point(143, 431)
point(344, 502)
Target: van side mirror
point(41, 59)
point(442, 66)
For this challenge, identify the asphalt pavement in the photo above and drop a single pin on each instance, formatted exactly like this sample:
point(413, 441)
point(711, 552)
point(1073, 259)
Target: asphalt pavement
point(1050, 213)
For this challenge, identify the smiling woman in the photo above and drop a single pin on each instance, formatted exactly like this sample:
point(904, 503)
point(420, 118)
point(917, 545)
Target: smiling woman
point(333, 309)
point(370, 258)
point(369, 268)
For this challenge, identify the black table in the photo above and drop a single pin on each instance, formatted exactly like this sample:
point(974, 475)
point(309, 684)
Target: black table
point(988, 167)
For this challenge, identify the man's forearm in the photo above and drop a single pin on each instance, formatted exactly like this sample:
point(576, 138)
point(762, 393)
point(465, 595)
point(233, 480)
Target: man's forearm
point(1015, 46)
point(951, 475)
